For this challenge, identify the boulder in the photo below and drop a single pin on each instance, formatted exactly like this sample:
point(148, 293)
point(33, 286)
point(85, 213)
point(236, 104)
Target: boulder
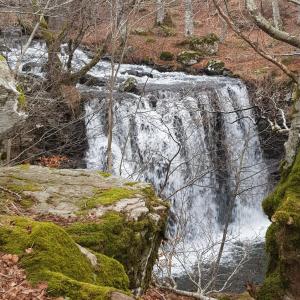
point(215, 67)
point(130, 85)
point(207, 45)
point(99, 218)
point(90, 80)
point(189, 58)
point(283, 237)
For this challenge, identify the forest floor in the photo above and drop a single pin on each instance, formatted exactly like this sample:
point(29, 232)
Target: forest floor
point(147, 41)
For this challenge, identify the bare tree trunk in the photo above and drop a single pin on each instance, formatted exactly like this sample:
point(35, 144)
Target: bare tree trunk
point(293, 142)
point(224, 31)
point(298, 18)
point(161, 12)
point(276, 14)
point(189, 20)
point(110, 129)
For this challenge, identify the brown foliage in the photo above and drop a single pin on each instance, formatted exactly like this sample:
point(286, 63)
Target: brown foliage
point(13, 283)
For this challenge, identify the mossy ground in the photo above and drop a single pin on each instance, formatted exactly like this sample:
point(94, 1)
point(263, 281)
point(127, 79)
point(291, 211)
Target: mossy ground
point(283, 235)
point(56, 259)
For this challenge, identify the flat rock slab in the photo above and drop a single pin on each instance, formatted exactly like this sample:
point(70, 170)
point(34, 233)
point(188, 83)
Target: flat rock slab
point(65, 192)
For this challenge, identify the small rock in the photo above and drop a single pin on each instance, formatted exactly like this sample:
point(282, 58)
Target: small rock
point(130, 85)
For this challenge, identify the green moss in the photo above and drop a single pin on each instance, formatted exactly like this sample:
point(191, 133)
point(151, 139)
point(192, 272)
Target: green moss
point(24, 167)
point(283, 235)
point(53, 249)
point(108, 197)
point(56, 259)
point(166, 56)
point(132, 183)
point(123, 240)
point(18, 188)
point(286, 196)
point(110, 272)
point(272, 288)
point(209, 39)
point(61, 285)
point(21, 97)
point(186, 57)
point(2, 58)
point(104, 174)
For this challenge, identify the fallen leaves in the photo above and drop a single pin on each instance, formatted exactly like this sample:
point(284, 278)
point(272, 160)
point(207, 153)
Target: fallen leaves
point(13, 283)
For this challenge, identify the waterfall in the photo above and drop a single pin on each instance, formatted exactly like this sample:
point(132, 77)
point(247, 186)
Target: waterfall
point(193, 137)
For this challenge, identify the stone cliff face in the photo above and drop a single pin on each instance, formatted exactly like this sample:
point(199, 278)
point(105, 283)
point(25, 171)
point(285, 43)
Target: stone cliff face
point(283, 238)
point(90, 233)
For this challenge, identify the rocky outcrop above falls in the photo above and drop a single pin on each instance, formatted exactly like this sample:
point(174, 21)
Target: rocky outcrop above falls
point(10, 100)
point(283, 238)
point(86, 233)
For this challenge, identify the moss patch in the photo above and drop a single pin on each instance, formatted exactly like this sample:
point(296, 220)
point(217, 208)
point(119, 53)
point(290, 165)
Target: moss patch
point(166, 56)
point(104, 174)
point(283, 236)
point(123, 240)
point(56, 259)
point(108, 197)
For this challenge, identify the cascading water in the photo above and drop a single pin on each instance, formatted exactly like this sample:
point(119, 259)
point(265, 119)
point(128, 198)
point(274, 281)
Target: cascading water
point(192, 137)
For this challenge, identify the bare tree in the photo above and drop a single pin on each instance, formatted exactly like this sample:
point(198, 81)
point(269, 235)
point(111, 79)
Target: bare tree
point(276, 14)
point(189, 17)
point(262, 23)
point(160, 11)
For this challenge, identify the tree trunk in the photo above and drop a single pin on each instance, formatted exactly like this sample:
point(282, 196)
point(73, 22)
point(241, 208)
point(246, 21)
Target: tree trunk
point(160, 14)
point(189, 20)
point(276, 14)
point(293, 142)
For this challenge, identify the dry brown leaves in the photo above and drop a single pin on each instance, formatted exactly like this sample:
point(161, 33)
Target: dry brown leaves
point(13, 283)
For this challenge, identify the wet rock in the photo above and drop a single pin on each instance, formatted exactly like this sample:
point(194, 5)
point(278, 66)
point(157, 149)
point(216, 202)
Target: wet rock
point(90, 80)
point(217, 68)
point(137, 73)
point(130, 85)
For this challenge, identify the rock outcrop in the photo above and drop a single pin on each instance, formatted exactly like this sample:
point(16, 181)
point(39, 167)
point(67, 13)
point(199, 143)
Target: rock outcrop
point(10, 100)
point(89, 235)
point(283, 238)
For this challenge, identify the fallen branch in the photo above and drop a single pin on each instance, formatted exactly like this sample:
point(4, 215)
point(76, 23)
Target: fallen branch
point(186, 293)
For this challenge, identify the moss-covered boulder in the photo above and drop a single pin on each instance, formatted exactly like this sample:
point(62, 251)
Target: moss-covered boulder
point(205, 45)
point(283, 238)
point(49, 254)
point(189, 58)
point(215, 67)
point(86, 216)
point(129, 85)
